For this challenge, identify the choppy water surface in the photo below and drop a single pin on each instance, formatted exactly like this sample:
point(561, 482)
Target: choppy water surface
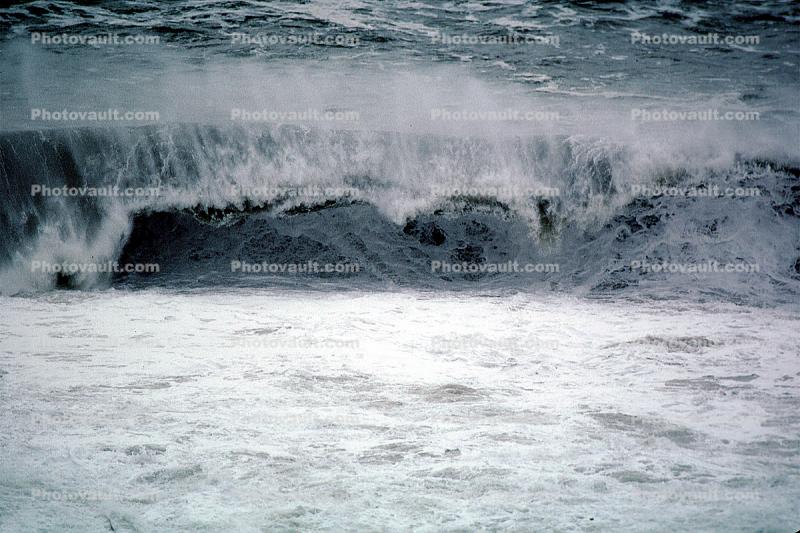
point(209, 411)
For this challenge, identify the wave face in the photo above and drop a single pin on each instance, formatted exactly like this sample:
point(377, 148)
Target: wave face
point(579, 213)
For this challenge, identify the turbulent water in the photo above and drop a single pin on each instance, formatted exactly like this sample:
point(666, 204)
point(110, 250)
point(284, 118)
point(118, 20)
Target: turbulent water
point(229, 410)
point(581, 192)
point(588, 192)
point(392, 203)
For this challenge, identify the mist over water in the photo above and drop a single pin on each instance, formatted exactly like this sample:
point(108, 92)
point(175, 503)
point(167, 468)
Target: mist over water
point(412, 139)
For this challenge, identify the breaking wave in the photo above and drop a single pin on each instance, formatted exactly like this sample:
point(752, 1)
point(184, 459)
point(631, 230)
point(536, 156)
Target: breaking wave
point(590, 215)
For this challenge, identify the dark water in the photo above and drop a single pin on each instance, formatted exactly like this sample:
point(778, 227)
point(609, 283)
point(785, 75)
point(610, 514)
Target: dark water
point(395, 186)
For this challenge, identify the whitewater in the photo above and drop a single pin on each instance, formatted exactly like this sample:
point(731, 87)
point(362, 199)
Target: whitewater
point(289, 410)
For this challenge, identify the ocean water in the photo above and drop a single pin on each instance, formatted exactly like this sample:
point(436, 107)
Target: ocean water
point(217, 410)
point(562, 294)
